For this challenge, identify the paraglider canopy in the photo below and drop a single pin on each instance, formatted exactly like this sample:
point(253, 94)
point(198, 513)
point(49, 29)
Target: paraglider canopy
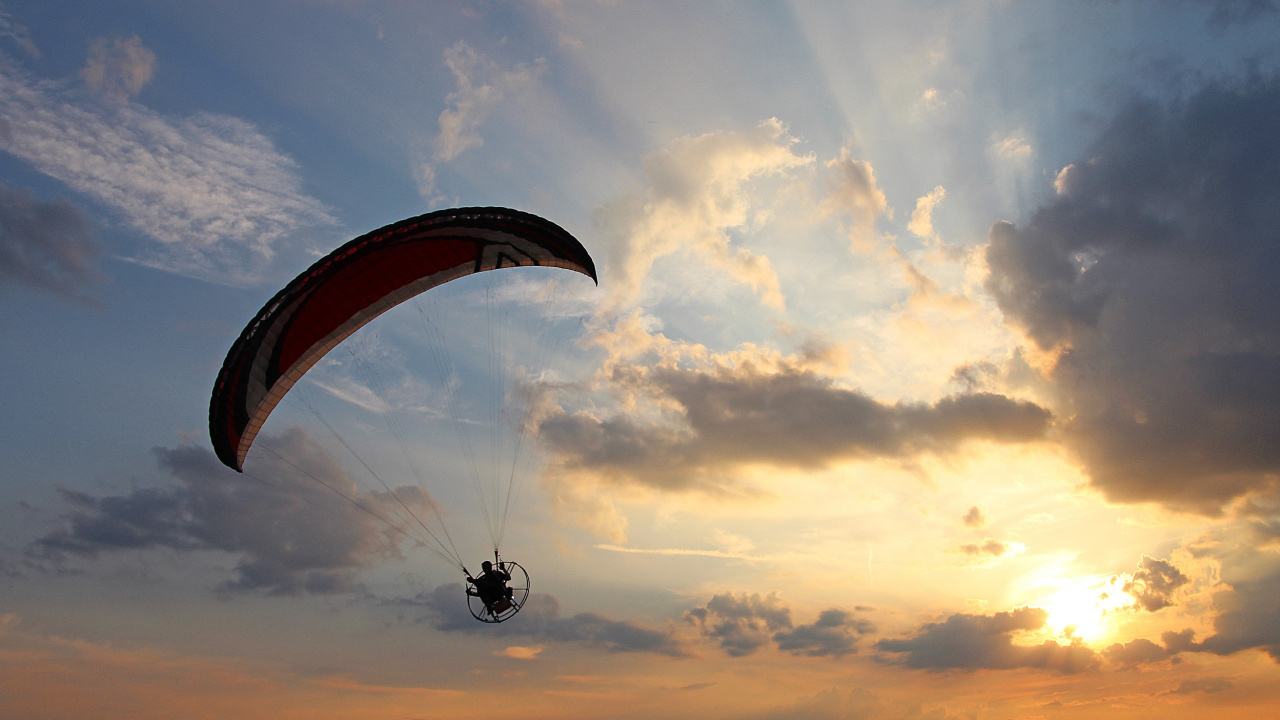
point(347, 289)
point(354, 284)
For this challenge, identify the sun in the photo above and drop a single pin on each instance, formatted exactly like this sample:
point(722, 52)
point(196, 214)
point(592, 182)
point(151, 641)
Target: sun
point(1081, 608)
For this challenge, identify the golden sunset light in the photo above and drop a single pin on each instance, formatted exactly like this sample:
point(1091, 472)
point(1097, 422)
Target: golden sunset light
point(701, 360)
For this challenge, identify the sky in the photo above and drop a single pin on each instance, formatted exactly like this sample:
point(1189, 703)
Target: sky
point(933, 370)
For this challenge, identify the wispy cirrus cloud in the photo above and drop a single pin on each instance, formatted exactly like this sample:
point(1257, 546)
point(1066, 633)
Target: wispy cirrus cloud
point(482, 85)
point(212, 191)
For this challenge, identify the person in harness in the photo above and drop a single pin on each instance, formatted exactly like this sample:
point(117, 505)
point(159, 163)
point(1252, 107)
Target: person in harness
point(491, 588)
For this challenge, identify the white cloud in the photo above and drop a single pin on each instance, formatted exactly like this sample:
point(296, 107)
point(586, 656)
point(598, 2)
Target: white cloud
point(210, 189)
point(519, 652)
point(481, 85)
point(118, 69)
point(857, 195)
point(695, 194)
point(922, 217)
point(1013, 148)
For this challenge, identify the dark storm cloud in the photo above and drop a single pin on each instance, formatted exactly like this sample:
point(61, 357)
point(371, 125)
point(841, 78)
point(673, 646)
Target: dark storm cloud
point(540, 619)
point(1154, 583)
point(791, 418)
point(1248, 615)
point(740, 625)
point(291, 537)
point(45, 244)
point(1154, 269)
point(973, 642)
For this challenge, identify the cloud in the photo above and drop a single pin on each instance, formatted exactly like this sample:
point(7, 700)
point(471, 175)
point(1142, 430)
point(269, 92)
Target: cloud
point(45, 244)
point(293, 536)
point(1151, 277)
point(118, 69)
point(1248, 614)
point(855, 704)
point(540, 620)
point(1012, 149)
point(1206, 685)
point(694, 195)
point(973, 642)
point(922, 217)
point(857, 196)
point(1224, 13)
point(974, 518)
point(741, 625)
point(481, 86)
point(1155, 582)
point(991, 547)
point(519, 652)
point(834, 634)
point(727, 412)
point(1141, 651)
point(17, 33)
point(211, 190)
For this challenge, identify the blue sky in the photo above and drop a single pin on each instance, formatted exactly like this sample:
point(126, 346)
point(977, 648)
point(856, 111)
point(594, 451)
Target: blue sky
point(930, 374)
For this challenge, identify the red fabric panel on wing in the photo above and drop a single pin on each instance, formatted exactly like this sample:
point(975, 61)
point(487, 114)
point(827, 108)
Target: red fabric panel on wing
point(362, 283)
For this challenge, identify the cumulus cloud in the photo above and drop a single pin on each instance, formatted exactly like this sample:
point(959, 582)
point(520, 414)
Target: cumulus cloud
point(292, 536)
point(1154, 584)
point(726, 412)
point(1141, 651)
point(922, 217)
point(540, 620)
point(991, 548)
point(694, 196)
point(212, 191)
point(1248, 614)
point(974, 518)
point(482, 85)
point(117, 69)
point(1151, 277)
point(742, 624)
point(857, 197)
point(973, 642)
point(835, 633)
point(45, 244)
